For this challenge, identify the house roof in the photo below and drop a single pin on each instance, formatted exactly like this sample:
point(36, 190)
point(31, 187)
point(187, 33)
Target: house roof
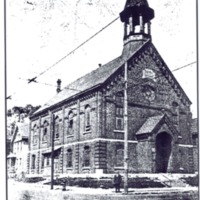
point(21, 131)
point(94, 78)
point(194, 125)
point(130, 3)
point(149, 124)
point(11, 155)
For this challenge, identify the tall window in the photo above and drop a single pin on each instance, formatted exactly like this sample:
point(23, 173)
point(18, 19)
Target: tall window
point(119, 118)
point(175, 113)
point(35, 134)
point(57, 128)
point(87, 118)
point(119, 154)
point(69, 158)
point(45, 130)
point(42, 164)
point(86, 156)
point(119, 98)
point(33, 162)
point(71, 123)
point(48, 160)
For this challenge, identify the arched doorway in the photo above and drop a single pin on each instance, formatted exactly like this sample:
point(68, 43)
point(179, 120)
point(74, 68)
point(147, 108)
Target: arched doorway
point(163, 151)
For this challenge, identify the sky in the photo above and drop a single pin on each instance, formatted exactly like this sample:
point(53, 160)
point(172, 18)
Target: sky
point(42, 32)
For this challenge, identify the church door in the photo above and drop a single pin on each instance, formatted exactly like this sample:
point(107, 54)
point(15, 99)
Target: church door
point(163, 151)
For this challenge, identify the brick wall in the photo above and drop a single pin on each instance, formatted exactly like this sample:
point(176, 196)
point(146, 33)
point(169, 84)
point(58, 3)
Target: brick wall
point(144, 156)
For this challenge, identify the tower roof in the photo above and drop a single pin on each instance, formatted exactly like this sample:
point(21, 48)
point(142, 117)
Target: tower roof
point(135, 8)
point(131, 3)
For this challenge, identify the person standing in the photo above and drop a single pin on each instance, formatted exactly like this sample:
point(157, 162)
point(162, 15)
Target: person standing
point(117, 182)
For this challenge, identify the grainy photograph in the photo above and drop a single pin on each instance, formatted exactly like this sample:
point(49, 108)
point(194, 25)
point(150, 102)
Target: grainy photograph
point(101, 100)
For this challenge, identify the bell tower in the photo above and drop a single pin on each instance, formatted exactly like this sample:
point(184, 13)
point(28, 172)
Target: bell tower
point(137, 16)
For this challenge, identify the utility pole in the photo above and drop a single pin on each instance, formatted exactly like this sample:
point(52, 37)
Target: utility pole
point(52, 148)
point(125, 129)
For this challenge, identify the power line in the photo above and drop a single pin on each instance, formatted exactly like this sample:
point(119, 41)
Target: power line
point(71, 52)
point(184, 66)
point(134, 85)
point(68, 88)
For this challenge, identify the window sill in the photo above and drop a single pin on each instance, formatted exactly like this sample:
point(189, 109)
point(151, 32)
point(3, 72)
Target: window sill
point(118, 167)
point(44, 142)
point(70, 136)
point(87, 132)
point(69, 168)
point(86, 167)
point(119, 131)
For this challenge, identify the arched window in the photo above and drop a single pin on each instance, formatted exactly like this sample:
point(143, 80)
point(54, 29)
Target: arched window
point(119, 154)
point(35, 134)
point(175, 113)
point(48, 161)
point(33, 162)
point(119, 98)
point(69, 158)
point(86, 156)
point(87, 118)
point(71, 123)
point(56, 128)
point(119, 117)
point(42, 160)
point(45, 131)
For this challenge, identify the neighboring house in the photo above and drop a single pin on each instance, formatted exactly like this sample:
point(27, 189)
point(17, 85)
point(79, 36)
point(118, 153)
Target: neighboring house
point(195, 142)
point(17, 159)
point(87, 116)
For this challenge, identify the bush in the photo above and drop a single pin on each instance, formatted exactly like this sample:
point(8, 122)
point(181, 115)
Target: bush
point(106, 183)
point(25, 196)
point(144, 183)
point(33, 179)
point(193, 181)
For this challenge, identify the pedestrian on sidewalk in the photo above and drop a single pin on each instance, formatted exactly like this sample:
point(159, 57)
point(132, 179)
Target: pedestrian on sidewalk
point(117, 182)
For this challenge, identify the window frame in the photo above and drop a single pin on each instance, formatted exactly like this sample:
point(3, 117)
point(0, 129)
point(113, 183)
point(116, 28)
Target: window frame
point(45, 131)
point(87, 119)
point(119, 111)
point(33, 160)
point(119, 155)
point(69, 158)
point(56, 128)
point(86, 156)
point(35, 134)
point(70, 129)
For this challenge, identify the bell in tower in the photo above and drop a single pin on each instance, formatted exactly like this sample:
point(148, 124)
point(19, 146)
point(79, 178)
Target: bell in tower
point(137, 16)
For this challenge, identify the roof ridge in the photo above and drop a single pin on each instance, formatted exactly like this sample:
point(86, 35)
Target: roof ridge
point(93, 78)
point(91, 72)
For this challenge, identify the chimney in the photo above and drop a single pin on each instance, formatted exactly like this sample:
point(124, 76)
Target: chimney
point(58, 85)
point(100, 64)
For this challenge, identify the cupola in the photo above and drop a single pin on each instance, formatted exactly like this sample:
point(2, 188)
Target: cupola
point(137, 16)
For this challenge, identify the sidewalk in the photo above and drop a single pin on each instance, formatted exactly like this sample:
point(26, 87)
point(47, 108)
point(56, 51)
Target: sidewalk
point(38, 191)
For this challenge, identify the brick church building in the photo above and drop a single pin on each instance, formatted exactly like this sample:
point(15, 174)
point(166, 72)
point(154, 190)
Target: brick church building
point(86, 118)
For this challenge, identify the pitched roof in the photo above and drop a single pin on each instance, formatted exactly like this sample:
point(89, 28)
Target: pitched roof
point(194, 125)
point(131, 3)
point(149, 124)
point(100, 75)
point(21, 131)
point(94, 78)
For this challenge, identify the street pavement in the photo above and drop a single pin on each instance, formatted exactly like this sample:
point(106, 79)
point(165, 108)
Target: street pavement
point(15, 190)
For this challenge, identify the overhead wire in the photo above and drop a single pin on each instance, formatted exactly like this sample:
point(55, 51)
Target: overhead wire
point(134, 85)
point(72, 51)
